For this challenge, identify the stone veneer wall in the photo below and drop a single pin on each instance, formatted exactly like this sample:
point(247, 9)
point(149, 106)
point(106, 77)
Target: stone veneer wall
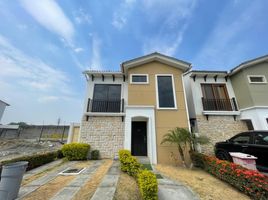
point(218, 128)
point(105, 134)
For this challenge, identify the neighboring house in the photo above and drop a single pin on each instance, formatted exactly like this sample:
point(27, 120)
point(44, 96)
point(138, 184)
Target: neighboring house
point(3, 106)
point(212, 106)
point(249, 80)
point(135, 107)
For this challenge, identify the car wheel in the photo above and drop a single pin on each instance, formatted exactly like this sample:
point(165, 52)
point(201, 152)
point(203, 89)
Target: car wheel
point(223, 155)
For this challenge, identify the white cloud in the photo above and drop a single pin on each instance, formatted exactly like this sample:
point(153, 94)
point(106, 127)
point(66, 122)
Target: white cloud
point(79, 49)
point(50, 15)
point(96, 53)
point(81, 17)
point(173, 18)
point(120, 16)
point(224, 41)
point(28, 83)
point(45, 99)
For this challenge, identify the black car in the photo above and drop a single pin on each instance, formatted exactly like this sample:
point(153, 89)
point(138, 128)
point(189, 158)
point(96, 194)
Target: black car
point(252, 142)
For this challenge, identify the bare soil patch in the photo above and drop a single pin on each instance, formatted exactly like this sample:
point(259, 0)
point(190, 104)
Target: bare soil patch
point(207, 186)
point(127, 188)
point(87, 191)
point(13, 148)
point(48, 190)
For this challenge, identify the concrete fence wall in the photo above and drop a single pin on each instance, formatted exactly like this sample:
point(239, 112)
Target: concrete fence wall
point(34, 132)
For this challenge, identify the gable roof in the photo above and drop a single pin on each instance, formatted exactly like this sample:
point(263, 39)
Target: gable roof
point(4, 102)
point(248, 63)
point(183, 65)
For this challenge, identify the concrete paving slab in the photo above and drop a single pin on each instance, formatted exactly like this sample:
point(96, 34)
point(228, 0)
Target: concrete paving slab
point(175, 193)
point(69, 191)
point(34, 185)
point(104, 193)
point(109, 181)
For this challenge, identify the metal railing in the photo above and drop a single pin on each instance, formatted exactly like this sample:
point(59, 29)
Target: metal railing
point(219, 104)
point(111, 106)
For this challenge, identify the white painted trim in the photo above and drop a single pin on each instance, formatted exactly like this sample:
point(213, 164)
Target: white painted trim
point(254, 107)
point(264, 79)
point(139, 106)
point(149, 114)
point(139, 83)
point(185, 103)
point(174, 93)
point(221, 112)
point(104, 114)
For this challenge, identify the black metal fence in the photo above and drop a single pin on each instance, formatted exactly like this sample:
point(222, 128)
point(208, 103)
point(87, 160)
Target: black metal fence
point(219, 104)
point(114, 106)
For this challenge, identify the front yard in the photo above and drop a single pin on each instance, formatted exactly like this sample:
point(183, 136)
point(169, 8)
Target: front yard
point(207, 186)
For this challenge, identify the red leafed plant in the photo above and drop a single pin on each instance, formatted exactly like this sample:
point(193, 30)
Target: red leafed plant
point(251, 182)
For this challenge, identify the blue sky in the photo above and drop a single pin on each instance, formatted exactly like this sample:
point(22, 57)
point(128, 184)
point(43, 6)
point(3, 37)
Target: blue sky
point(46, 44)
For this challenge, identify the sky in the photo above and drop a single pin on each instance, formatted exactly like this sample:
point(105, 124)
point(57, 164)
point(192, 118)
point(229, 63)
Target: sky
point(45, 45)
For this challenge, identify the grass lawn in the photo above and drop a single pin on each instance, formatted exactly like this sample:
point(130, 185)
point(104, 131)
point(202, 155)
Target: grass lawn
point(207, 186)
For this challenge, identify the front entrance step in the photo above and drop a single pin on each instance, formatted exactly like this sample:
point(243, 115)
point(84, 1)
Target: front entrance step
point(143, 159)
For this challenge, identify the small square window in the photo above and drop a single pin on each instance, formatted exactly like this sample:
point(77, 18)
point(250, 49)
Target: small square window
point(139, 79)
point(256, 79)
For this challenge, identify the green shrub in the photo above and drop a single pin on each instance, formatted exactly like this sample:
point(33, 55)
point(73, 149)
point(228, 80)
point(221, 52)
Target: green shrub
point(95, 155)
point(75, 151)
point(35, 160)
point(59, 154)
point(250, 182)
point(197, 159)
point(147, 183)
point(129, 164)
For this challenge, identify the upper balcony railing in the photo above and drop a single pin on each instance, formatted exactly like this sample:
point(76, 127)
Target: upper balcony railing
point(105, 106)
point(219, 104)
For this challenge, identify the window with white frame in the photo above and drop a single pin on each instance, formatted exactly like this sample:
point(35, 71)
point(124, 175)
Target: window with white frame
point(165, 90)
point(257, 79)
point(139, 79)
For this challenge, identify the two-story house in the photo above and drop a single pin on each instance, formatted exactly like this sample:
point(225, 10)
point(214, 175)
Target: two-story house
point(212, 105)
point(135, 107)
point(249, 80)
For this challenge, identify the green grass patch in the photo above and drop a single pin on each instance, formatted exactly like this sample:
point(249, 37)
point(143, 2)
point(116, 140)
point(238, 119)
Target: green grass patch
point(158, 176)
point(147, 166)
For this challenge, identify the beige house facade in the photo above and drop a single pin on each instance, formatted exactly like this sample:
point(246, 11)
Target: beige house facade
point(135, 107)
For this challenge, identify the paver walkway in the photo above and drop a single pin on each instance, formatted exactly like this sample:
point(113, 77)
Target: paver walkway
point(168, 189)
point(108, 185)
point(69, 191)
point(104, 191)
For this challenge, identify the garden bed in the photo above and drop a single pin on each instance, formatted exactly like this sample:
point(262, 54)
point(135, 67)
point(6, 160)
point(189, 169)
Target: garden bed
point(207, 186)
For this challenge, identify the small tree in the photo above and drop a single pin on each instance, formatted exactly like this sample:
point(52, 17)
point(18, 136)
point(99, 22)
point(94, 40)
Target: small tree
point(180, 137)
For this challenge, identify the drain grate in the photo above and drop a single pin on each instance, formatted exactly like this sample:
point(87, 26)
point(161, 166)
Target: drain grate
point(72, 171)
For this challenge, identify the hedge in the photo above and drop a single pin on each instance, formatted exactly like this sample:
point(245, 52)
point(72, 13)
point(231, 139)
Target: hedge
point(75, 151)
point(35, 160)
point(147, 183)
point(146, 180)
point(250, 182)
point(95, 155)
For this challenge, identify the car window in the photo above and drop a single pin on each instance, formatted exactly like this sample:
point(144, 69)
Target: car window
point(242, 139)
point(261, 138)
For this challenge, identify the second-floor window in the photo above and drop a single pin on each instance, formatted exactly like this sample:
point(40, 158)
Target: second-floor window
point(106, 98)
point(165, 92)
point(139, 79)
point(215, 97)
